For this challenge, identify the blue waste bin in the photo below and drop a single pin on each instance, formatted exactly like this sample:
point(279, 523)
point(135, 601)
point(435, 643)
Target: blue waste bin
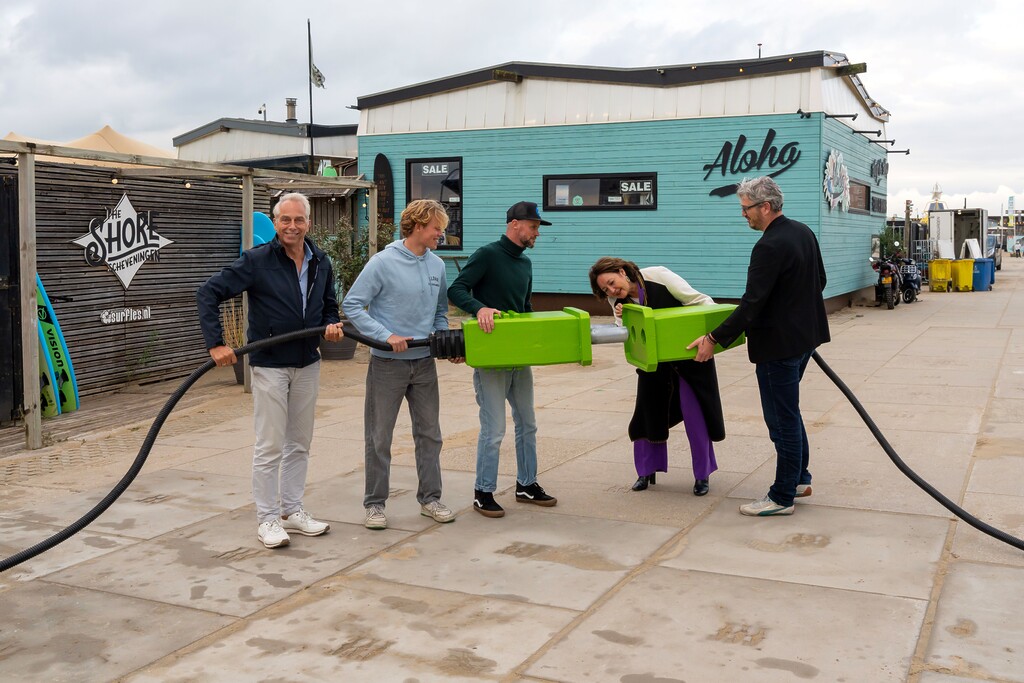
point(984, 269)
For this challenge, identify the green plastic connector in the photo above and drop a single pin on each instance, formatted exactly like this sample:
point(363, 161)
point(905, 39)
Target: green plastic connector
point(661, 335)
point(522, 339)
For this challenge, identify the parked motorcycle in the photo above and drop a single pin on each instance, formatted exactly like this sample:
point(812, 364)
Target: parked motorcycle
point(889, 285)
point(910, 280)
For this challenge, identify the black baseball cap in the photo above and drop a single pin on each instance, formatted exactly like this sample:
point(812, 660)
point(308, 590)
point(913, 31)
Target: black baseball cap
point(524, 211)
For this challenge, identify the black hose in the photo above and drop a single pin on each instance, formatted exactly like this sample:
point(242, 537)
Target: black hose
point(995, 533)
point(147, 445)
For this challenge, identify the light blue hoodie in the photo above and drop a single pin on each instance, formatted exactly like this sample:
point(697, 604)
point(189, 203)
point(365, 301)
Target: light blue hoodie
point(399, 293)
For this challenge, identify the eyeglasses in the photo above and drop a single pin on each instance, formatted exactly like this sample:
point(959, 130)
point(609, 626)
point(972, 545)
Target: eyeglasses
point(747, 207)
point(288, 220)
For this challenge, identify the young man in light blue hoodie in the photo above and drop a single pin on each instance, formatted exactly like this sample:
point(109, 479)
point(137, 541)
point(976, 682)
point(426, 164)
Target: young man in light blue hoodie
point(402, 294)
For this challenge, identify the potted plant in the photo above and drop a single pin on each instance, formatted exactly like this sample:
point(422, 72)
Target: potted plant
point(349, 250)
point(233, 325)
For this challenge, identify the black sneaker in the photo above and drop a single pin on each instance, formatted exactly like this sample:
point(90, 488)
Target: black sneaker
point(483, 502)
point(534, 494)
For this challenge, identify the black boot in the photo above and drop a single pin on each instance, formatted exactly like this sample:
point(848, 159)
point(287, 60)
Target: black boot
point(701, 487)
point(642, 483)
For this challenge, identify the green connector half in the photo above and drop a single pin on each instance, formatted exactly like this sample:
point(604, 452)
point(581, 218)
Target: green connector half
point(661, 335)
point(522, 339)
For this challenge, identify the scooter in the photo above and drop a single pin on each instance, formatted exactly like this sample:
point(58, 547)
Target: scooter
point(910, 280)
point(889, 283)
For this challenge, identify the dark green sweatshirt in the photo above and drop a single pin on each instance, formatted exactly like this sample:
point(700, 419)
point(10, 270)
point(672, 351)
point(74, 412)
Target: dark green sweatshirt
point(498, 275)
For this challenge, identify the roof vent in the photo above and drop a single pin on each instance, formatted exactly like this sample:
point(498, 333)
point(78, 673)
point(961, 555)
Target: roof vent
point(289, 105)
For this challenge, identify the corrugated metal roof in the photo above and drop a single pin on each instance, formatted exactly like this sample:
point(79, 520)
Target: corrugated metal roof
point(298, 130)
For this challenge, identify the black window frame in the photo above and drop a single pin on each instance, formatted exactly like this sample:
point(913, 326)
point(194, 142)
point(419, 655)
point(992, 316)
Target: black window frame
point(868, 194)
point(454, 222)
point(618, 177)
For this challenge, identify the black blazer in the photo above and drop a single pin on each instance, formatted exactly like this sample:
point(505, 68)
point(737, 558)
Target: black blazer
point(782, 310)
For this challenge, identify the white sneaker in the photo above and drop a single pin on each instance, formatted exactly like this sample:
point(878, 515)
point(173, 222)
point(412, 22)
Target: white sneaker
point(765, 507)
point(304, 524)
point(375, 517)
point(439, 511)
point(803, 490)
point(272, 535)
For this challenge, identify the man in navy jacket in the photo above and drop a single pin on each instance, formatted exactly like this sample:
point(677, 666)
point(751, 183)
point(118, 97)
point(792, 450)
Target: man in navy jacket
point(291, 287)
point(783, 313)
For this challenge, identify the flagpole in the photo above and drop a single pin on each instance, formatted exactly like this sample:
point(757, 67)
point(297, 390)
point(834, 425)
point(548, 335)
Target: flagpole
point(309, 38)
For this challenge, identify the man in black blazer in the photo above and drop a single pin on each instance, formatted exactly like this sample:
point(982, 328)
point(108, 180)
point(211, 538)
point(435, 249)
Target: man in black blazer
point(783, 314)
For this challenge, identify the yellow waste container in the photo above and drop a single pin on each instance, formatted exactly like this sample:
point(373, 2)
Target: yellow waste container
point(939, 278)
point(963, 275)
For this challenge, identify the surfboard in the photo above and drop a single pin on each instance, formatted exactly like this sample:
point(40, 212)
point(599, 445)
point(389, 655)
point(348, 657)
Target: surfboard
point(49, 406)
point(65, 384)
point(262, 229)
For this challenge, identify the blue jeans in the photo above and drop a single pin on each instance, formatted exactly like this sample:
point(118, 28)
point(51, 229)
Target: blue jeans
point(493, 388)
point(779, 384)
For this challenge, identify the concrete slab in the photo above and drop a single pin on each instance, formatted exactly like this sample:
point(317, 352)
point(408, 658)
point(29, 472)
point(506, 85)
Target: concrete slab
point(998, 468)
point(978, 631)
point(887, 554)
point(529, 555)
point(1010, 383)
point(219, 566)
point(341, 498)
point(61, 633)
point(1003, 512)
point(154, 504)
point(601, 489)
point(18, 535)
point(892, 413)
point(1005, 419)
point(851, 470)
point(373, 631)
point(934, 677)
point(672, 625)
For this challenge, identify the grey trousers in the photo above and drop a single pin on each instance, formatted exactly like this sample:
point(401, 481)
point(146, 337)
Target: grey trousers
point(284, 403)
point(388, 381)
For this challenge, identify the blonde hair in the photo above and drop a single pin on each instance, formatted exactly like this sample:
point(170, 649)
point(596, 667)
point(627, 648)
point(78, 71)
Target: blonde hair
point(421, 212)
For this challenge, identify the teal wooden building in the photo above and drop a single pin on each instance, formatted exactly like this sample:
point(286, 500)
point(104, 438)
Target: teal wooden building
point(639, 163)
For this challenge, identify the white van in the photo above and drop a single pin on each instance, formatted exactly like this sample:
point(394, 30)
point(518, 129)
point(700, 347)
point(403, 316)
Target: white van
point(994, 250)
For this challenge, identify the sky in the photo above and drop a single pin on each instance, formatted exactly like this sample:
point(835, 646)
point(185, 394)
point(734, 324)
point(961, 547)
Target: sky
point(948, 71)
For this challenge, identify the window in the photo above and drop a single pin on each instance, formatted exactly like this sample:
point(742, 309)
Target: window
point(440, 180)
point(601, 191)
point(860, 197)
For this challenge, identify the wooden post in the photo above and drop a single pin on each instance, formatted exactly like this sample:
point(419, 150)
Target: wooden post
point(371, 205)
point(906, 229)
point(247, 209)
point(29, 319)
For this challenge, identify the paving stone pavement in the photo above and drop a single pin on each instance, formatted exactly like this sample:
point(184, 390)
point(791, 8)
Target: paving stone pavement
point(870, 579)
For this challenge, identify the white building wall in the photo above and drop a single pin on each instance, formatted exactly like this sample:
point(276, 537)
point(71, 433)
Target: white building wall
point(546, 102)
point(839, 97)
point(234, 144)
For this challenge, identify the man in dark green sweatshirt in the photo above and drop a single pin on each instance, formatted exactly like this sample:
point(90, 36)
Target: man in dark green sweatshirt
point(499, 277)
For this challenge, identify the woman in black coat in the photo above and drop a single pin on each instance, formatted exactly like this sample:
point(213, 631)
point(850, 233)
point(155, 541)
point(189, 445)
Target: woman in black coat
point(678, 391)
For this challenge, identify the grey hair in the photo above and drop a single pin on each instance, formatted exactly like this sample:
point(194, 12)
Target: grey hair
point(292, 197)
point(762, 189)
